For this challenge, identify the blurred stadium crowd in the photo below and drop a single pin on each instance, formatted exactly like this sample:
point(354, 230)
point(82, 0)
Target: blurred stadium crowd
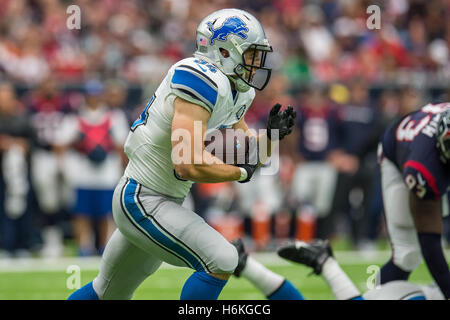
point(67, 98)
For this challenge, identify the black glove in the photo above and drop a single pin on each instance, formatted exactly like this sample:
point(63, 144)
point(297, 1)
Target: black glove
point(251, 159)
point(283, 121)
point(250, 171)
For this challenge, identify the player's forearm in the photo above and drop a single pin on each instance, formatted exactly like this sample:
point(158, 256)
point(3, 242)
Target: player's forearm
point(431, 248)
point(216, 173)
point(208, 173)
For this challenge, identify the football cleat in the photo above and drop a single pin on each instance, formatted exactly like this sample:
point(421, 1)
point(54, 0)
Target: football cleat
point(313, 254)
point(239, 244)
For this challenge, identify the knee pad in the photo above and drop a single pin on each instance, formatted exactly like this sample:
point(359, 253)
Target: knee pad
point(407, 258)
point(225, 260)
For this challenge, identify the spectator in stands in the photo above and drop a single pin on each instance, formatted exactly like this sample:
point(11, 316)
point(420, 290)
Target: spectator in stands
point(116, 93)
point(411, 98)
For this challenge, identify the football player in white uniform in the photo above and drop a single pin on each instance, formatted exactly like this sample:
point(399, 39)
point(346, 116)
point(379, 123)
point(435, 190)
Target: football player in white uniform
point(214, 89)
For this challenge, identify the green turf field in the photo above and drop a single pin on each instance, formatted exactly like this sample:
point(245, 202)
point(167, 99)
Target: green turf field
point(47, 279)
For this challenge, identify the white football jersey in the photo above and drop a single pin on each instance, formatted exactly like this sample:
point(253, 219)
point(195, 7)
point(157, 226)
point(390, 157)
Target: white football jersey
point(149, 146)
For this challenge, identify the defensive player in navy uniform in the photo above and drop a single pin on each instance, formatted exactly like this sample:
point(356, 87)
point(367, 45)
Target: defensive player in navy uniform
point(214, 89)
point(415, 172)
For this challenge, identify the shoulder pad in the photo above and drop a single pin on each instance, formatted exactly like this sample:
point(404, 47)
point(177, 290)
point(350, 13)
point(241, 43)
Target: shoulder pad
point(198, 81)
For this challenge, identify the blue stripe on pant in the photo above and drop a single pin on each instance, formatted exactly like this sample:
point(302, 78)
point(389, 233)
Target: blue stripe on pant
point(152, 231)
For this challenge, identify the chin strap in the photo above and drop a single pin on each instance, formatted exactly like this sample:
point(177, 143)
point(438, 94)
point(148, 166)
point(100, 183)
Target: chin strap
point(239, 85)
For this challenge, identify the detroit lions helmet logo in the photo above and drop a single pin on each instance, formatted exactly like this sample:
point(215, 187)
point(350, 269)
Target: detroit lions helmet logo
point(232, 25)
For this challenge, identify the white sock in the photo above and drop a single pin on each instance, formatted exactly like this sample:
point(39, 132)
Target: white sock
point(261, 277)
point(341, 285)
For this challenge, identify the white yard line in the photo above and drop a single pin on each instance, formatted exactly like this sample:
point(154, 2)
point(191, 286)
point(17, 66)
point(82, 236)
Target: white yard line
point(93, 263)
point(47, 264)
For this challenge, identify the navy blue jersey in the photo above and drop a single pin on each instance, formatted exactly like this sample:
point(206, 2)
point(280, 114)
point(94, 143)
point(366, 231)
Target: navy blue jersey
point(318, 132)
point(358, 125)
point(411, 145)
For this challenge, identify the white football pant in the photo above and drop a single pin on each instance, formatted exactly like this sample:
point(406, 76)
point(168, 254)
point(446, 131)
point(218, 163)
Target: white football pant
point(153, 228)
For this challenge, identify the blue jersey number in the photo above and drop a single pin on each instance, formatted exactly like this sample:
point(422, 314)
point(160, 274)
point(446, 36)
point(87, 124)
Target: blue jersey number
point(142, 120)
point(201, 63)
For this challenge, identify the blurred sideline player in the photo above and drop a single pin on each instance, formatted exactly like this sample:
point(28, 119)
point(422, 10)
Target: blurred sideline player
point(47, 107)
point(212, 90)
point(319, 158)
point(261, 201)
point(94, 138)
point(16, 142)
point(359, 121)
point(318, 255)
point(415, 173)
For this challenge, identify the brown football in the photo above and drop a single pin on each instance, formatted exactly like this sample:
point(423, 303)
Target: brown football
point(229, 145)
